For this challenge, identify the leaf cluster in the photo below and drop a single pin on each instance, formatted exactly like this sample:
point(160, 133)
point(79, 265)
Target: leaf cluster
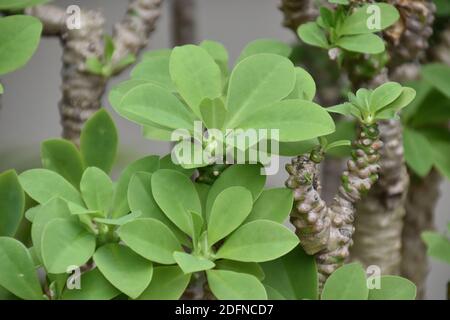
point(350, 29)
point(171, 89)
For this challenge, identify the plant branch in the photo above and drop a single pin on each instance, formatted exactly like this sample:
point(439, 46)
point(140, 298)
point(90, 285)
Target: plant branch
point(82, 91)
point(326, 231)
point(297, 12)
point(183, 22)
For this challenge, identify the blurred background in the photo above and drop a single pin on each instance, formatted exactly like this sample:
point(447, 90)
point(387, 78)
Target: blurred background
point(29, 112)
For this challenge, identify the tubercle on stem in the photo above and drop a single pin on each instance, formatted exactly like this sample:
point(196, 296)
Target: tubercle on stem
point(326, 231)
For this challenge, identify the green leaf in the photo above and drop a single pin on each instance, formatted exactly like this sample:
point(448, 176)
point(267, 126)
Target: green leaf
point(230, 285)
point(190, 263)
point(63, 157)
point(94, 286)
point(17, 272)
point(343, 2)
point(364, 20)
point(127, 271)
point(384, 95)
point(98, 141)
point(423, 90)
point(312, 34)
point(438, 246)
point(12, 203)
point(218, 52)
point(195, 74)
point(110, 47)
point(167, 163)
point(97, 189)
point(418, 151)
point(251, 268)
point(305, 87)
point(405, 98)
point(157, 53)
point(117, 92)
point(168, 283)
point(119, 221)
point(258, 241)
point(362, 43)
point(393, 288)
point(265, 46)
point(53, 209)
point(296, 148)
point(151, 105)
point(442, 8)
point(157, 132)
point(273, 204)
point(439, 139)
point(64, 244)
point(151, 239)
point(166, 184)
point(245, 175)
point(438, 75)
point(120, 203)
point(140, 199)
point(42, 185)
point(346, 283)
point(154, 70)
point(19, 39)
point(213, 113)
point(296, 120)
point(256, 82)
point(19, 4)
point(94, 66)
point(293, 276)
point(229, 210)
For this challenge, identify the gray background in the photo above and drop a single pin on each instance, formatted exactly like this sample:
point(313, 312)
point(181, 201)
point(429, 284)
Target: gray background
point(29, 114)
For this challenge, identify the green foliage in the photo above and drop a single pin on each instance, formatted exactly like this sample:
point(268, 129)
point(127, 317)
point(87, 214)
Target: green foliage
point(98, 141)
point(349, 283)
point(393, 288)
point(172, 89)
point(105, 66)
point(384, 102)
point(17, 273)
point(426, 136)
point(12, 203)
point(117, 262)
point(19, 39)
point(349, 29)
point(346, 283)
point(438, 245)
point(292, 277)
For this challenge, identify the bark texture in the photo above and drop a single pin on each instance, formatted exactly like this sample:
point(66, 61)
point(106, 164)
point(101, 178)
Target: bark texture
point(379, 225)
point(326, 231)
point(82, 91)
point(422, 198)
point(297, 12)
point(183, 22)
point(380, 216)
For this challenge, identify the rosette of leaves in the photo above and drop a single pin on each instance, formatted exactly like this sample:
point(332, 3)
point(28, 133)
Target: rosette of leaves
point(230, 228)
point(369, 106)
point(19, 37)
point(78, 210)
point(350, 29)
point(171, 89)
point(105, 66)
point(426, 136)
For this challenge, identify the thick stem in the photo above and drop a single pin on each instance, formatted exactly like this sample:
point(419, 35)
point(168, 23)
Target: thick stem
point(327, 231)
point(132, 33)
point(421, 202)
point(297, 12)
point(183, 22)
point(380, 216)
point(82, 91)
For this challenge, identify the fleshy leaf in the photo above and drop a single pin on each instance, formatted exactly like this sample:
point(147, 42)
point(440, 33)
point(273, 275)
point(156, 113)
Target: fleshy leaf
point(273, 204)
point(393, 288)
point(190, 263)
point(265, 46)
point(346, 283)
point(168, 283)
point(12, 203)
